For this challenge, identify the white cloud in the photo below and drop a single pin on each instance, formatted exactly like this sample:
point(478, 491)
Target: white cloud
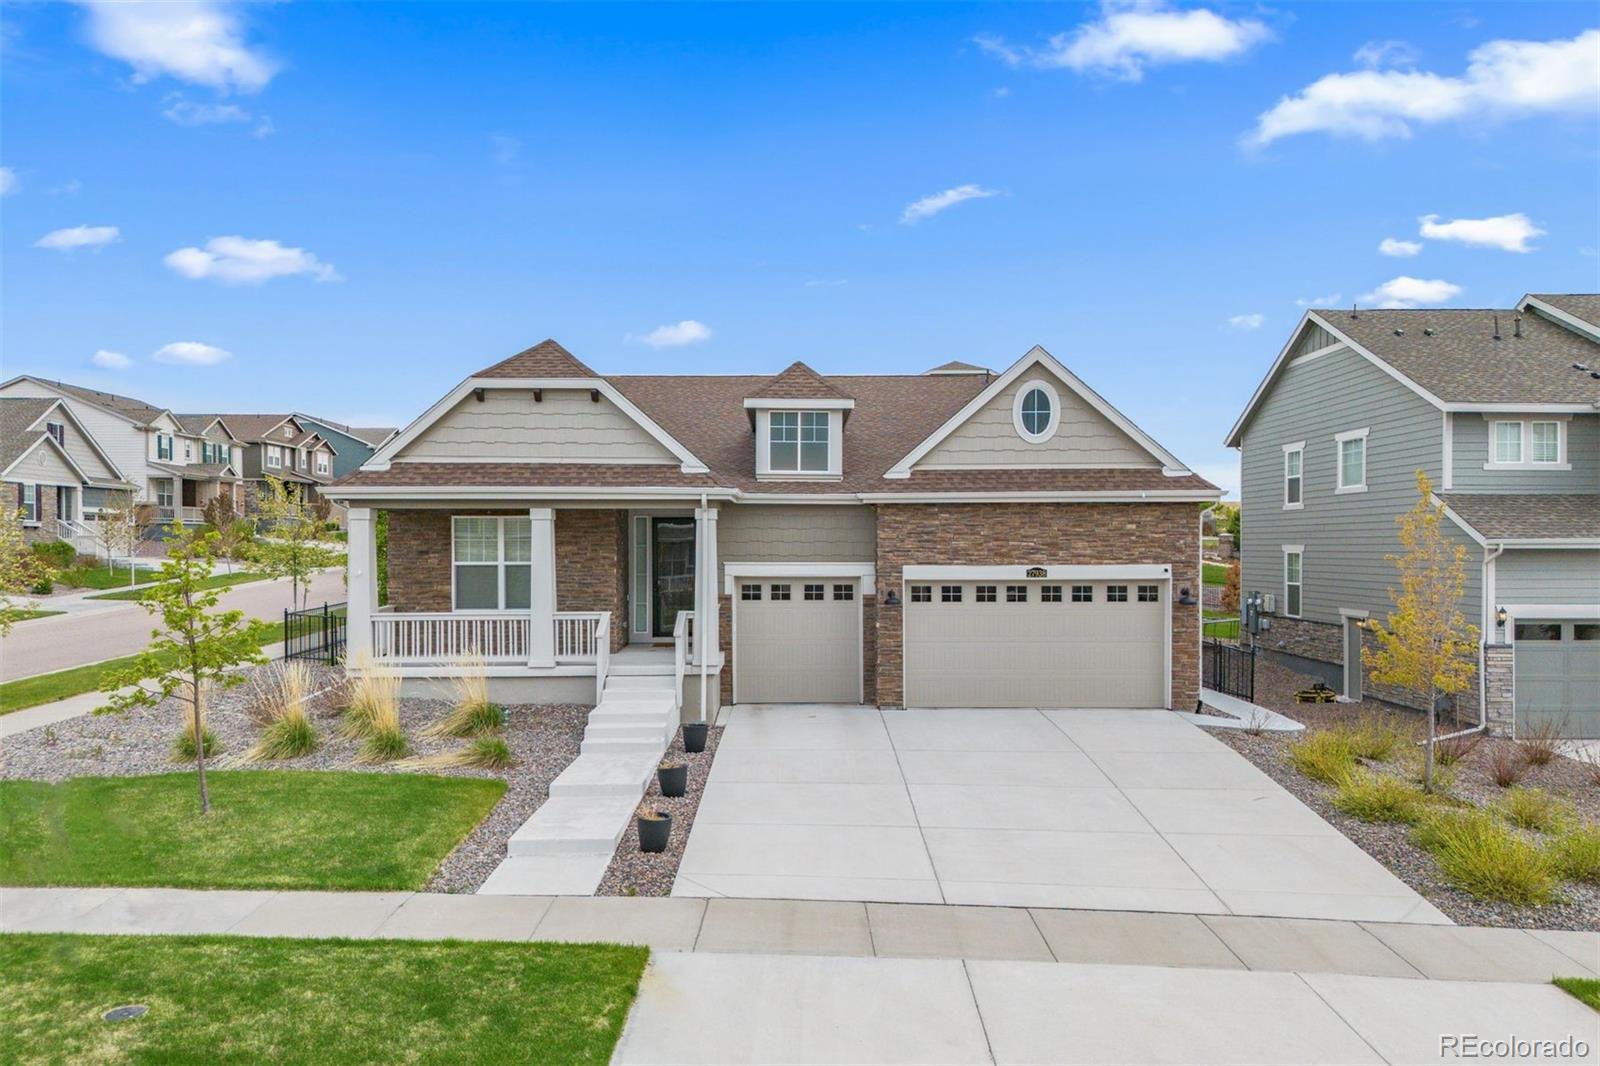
point(1129, 36)
point(186, 112)
point(1406, 291)
point(241, 261)
point(1246, 321)
point(1397, 248)
point(66, 240)
point(8, 181)
point(1318, 301)
point(929, 206)
point(197, 41)
point(686, 332)
point(106, 359)
point(190, 353)
point(1386, 54)
point(1504, 79)
point(1509, 233)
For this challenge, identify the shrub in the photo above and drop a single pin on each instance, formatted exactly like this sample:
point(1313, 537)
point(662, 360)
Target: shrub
point(473, 715)
point(44, 586)
point(385, 744)
point(1536, 809)
point(491, 753)
point(1481, 856)
point(183, 744)
point(1450, 751)
point(1379, 736)
point(1379, 798)
point(1539, 745)
point(1576, 852)
point(1507, 764)
point(289, 737)
point(373, 697)
point(57, 553)
point(1325, 755)
point(278, 687)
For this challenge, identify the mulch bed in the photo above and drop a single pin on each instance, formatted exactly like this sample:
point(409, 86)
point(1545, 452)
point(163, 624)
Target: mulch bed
point(544, 739)
point(1390, 843)
point(636, 873)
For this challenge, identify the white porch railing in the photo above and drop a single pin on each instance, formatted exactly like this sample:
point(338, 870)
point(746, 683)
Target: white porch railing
point(497, 637)
point(602, 656)
point(680, 645)
point(187, 515)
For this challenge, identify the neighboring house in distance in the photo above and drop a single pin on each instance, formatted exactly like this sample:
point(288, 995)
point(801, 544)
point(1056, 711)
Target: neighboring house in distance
point(177, 464)
point(947, 539)
point(1502, 411)
point(352, 445)
point(48, 462)
point(281, 446)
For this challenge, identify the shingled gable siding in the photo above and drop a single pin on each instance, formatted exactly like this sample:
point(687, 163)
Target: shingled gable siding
point(591, 561)
point(1046, 534)
point(564, 424)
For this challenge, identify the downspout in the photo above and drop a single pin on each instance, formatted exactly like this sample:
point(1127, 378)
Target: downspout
point(1489, 556)
point(700, 638)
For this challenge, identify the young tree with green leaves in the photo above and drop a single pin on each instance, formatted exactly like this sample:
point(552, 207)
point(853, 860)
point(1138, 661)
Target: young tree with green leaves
point(117, 530)
point(21, 570)
point(291, 539)
point(196, 645)
point(234, 531)
point(1428, 647)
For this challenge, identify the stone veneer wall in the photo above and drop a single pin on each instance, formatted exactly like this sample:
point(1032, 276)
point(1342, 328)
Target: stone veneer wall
point(1045, 534)
point(1497, 690)
point(591, 562)
point(45, 530)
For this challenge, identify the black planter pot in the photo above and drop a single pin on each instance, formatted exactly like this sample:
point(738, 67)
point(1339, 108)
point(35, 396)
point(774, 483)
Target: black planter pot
point(654, 832)
point(674, 780)
point(694, 736)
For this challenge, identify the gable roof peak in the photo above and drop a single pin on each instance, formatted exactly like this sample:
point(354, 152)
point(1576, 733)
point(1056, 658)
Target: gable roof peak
point(547, 359)
point(798, 382)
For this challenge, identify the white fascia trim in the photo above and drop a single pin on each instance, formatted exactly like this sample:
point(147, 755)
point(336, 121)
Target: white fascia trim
point(866, 573)
point(1566, 318)
point(1526, 543)
point(525, 492)
point(1353, 434)
point(1129, 496)
point(788, 498)
point(1558, 612)
point(1521, 408)
point(1318, 354)
point(1461, 523)
point(527, 461)
point(1036, 356)
point(1351, 612)
point(59, 450)
point(381, 458)
point(1448, 436)
point(1065, 572)
point(88, 438)
point(762, 403)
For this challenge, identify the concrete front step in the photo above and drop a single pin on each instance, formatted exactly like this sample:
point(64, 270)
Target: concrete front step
point(629, 714)
point(609, 746)
point(546, 875)
point(624, 731)
point(626, 774)
point(657, 682)
point(574, 825)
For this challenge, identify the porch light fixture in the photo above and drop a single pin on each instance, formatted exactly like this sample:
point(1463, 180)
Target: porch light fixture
point(1186, 598)
point(1500, 616)
point(594, 395)
point(891, 599)
point(477, 394)
point(538, 396)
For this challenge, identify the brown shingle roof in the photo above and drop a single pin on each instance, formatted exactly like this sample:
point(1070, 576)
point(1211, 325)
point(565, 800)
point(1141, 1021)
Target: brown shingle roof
point(956, 366)
point(16, 415)
point(126, 406)
point(525, 475)
point(1518, 516)
point(253, 428)
point(547, 359)
point(1577, 304)
point(1459, 361)
point(798, 382)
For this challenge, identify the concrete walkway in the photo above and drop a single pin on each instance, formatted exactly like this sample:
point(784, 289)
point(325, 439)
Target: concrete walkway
point(1108, 809)
point(828, 928)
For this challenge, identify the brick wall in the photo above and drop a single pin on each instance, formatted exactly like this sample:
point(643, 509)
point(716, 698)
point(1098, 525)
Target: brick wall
point(46, 529)
point(591, 562)
point(1044, 533)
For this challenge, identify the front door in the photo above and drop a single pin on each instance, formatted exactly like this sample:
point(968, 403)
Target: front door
point(189, 489)
point(672, 563)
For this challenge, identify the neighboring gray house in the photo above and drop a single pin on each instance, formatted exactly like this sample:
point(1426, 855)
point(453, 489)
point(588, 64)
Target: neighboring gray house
point(1501, 409)
point(352, 445)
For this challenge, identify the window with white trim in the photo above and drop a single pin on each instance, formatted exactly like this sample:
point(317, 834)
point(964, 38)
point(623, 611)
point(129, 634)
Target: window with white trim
point(188, 451)
point(1293, 563)
point(274, 458)
point(322, 462)
point(798, 442)
point(493, 562)
point(1036, 411)
point(1294, 458)
point(1507, 444)
point(163, 446)
point(57, 430)
point(30, 503)
point(163, 492)
point(1352, 460)
point(1545, 442)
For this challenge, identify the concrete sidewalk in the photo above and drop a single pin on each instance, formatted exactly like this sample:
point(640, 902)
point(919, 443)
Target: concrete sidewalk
point(828, 928)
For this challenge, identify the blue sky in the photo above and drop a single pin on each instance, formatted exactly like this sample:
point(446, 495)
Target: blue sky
point(359, 204)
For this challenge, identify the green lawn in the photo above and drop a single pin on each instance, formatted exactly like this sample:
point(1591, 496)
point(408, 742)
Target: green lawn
point(1214, 573)
point(267, 829)
point(1226, 629)
point(212, 582)
point(238, 1000)
point(1586, 989)
point(25, 616)
point(98, 577)
point(47, 688)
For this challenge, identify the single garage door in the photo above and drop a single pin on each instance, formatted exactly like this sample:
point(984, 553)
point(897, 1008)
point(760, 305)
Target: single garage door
point(1557, 678)
point(1035, 644)
point(797, 641)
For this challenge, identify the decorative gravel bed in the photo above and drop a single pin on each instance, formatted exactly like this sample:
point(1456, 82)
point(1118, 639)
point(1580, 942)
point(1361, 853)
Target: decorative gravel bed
point(1391, 843)
point(544, 739)
point(636, 873)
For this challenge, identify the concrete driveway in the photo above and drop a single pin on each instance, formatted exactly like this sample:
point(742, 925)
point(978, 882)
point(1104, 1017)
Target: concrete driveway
point(1101, 809)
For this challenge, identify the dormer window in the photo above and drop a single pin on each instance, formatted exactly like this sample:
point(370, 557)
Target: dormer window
point(799, 420)
point(799, 442)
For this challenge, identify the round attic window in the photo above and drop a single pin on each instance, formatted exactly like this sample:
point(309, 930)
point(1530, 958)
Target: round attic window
point(1036, 413)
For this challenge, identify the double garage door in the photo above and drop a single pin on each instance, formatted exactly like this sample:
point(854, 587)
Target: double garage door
point(1035, 643)
point(1557, 677)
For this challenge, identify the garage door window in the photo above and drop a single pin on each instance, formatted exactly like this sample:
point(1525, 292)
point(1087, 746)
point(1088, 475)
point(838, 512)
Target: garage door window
point(987, 593)
point(814, 592)
point(749, 592)
point(1016, 594)
point(1586, 631)
point(1538, 631)
point(844, 592)
point(1083, 594)
point(1116, 594)
point(950, 593)
point(1149, 594)
point(921, 593)
point(1049, 593)
point(780, 592)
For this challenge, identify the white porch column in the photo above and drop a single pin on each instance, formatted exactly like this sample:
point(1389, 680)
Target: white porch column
point(706, 586)
point(542, 601)
point(362, 597)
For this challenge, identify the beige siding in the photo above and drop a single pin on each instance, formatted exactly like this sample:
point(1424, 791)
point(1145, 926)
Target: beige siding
point(801, 533)
point(78, 447)
point(42, 466)
point(564, 427)
point(1086, 438)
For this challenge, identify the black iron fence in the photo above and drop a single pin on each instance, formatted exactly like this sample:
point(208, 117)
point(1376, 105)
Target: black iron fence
point(316, 633)
point(1228, 668)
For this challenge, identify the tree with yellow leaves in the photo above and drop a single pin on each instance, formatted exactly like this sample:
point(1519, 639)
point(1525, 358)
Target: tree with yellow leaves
point(1428, 646)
